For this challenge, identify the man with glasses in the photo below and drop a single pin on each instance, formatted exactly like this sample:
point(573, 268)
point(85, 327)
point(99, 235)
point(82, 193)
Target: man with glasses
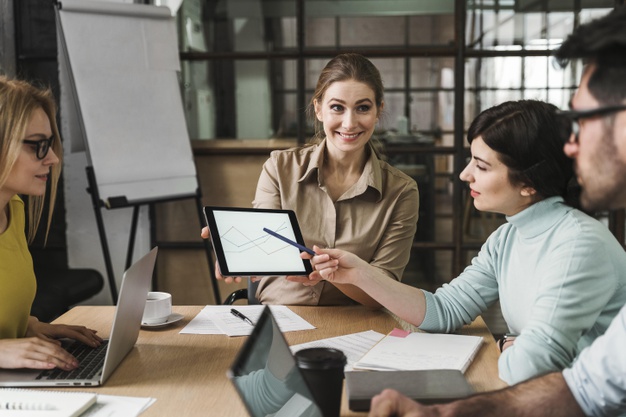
point(595, 385)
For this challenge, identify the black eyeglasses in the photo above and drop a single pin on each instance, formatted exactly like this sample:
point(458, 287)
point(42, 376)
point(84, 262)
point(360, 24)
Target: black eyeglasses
point(575, 116)
point(43, 146)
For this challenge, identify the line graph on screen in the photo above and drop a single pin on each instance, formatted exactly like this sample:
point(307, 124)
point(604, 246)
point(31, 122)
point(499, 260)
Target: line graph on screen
point(247, 248)
point(236, 241)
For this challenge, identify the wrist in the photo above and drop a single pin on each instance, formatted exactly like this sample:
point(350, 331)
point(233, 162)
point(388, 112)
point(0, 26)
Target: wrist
point(367, 275)
point(508, 337)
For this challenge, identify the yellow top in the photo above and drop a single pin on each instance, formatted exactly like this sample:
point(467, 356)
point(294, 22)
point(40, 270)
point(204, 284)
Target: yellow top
point(17, 277)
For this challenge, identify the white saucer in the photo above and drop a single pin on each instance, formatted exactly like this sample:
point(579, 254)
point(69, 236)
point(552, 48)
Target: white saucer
point(172, 318)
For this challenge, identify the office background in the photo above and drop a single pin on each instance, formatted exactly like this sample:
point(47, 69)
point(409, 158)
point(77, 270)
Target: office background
point(249, 68)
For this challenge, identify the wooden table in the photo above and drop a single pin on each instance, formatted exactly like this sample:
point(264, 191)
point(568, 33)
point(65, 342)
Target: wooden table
point(187, 373)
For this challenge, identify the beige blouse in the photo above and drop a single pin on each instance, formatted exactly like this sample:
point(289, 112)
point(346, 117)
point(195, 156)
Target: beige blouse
point(375, 219)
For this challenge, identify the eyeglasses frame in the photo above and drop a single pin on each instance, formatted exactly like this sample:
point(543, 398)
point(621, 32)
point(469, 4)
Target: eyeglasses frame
point(41, 144)
point(575, 115)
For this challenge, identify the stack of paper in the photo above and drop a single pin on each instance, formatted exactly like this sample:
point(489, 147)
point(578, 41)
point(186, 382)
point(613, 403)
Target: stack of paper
point(404, 351)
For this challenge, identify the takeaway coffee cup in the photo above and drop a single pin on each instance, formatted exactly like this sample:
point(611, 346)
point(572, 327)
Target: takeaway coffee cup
point(158, 308)
point(322, 369)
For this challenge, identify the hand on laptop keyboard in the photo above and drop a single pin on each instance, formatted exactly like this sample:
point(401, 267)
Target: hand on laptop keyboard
point(34, 353)
point(40, 349)
point(90, 359)
point(57, 331)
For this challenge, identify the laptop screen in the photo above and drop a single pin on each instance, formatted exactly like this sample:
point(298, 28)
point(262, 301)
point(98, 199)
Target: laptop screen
point(266, 376)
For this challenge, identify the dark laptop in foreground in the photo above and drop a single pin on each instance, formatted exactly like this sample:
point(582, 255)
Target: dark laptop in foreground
point(429, 386)
point(269, 382)
point(98, 364)
point(266, 376)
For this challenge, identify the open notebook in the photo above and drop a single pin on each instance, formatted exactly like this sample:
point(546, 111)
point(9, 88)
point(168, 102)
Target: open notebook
point(405, 351)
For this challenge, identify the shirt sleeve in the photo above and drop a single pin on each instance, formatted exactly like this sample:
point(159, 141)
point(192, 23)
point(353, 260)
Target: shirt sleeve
point(467, 296)
point(597, 379)
point(394, 248)
point(578, 281)
point(267, 193)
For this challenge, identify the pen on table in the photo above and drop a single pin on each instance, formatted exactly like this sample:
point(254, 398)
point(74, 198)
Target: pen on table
point(242, 316)
point(291, 242)
point(20, 405)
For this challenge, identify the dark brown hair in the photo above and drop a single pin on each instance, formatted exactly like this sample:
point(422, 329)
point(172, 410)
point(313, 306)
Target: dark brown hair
point(528, 137)
point(601, 42)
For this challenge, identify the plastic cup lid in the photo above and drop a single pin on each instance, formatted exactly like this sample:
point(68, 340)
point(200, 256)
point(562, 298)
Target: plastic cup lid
point(320, 358)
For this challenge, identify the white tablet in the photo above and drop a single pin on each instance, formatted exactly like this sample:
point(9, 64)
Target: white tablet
point(243, 248)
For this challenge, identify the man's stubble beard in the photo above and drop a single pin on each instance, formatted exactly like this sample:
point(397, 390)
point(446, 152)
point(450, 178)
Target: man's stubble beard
point(605, 189)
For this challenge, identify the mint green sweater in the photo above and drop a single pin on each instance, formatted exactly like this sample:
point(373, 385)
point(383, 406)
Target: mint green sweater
point(560, 276)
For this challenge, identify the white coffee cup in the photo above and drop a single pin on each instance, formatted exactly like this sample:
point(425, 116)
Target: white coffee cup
point(158, 308)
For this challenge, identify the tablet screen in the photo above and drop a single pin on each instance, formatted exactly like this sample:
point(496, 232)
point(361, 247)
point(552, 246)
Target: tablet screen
point(243, 248)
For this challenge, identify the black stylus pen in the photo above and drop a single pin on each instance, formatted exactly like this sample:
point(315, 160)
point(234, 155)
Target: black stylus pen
point(291, 242)
point(242, 316)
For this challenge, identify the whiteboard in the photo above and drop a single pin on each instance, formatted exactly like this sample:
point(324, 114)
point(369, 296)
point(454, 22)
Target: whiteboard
point(123, 64)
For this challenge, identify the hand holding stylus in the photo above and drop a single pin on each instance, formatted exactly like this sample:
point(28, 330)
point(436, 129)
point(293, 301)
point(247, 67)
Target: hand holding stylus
point(333, 265)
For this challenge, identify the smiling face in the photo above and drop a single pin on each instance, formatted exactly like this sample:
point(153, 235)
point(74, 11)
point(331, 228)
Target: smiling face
point(349, 115)
point(600, 154)
point(489, 182)
point(29, 174)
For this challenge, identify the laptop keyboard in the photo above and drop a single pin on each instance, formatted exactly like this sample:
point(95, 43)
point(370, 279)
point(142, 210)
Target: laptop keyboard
point(90, 359)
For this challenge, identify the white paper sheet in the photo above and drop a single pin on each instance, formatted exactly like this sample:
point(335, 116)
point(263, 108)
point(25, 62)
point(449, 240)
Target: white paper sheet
point(220, 320)
point(354, 345)
point(118, 406)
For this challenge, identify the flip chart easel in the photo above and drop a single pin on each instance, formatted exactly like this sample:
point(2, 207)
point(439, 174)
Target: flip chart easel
point(123, 66)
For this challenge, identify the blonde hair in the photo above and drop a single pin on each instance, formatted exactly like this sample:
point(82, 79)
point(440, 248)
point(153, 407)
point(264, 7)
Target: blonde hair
point(18, 101)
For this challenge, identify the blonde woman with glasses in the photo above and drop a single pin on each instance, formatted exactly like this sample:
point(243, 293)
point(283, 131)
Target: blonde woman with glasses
point(30, 156)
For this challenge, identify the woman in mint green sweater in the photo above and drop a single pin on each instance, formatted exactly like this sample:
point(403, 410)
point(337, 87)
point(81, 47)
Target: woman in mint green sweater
point(559, 274)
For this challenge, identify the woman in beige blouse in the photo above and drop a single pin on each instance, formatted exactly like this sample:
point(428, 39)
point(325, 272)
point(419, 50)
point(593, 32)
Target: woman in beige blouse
point(343, 194)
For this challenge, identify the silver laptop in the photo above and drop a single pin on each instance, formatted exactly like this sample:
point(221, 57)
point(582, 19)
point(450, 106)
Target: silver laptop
point(104, 360)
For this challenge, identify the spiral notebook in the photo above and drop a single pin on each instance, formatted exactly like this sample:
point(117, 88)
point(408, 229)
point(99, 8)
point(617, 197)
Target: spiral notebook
point(31, 403)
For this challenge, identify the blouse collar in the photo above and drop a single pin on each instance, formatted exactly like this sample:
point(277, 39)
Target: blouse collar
point(370, 178)
point(539, 217)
